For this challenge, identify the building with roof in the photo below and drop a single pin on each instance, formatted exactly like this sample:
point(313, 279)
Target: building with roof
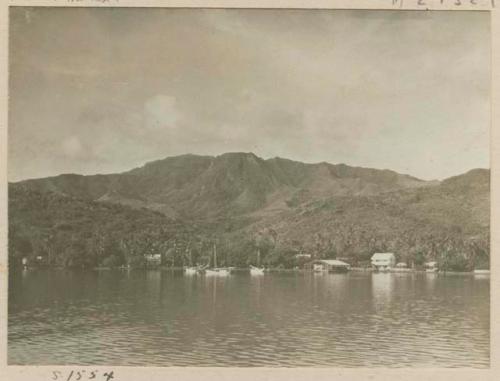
point(153, 259)
point(431, 266)
point(383, 261)
point(330, 265)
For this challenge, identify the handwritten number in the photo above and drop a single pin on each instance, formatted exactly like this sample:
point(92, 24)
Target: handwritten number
point(456, 2)
point(421, 2)
point(79, 375)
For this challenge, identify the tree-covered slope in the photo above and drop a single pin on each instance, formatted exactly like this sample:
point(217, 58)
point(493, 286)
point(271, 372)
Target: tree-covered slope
point(244, 203)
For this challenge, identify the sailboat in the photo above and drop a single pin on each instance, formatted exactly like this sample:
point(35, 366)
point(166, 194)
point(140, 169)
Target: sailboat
point(190, 270)
point(219, 271)
point(257, 270)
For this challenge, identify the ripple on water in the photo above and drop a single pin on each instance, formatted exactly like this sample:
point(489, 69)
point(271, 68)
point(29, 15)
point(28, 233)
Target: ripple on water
point(280, 320)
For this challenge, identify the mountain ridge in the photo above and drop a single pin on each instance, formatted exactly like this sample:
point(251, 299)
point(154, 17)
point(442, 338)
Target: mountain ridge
point(279, 205)
point(207, 182)
point(213, 157)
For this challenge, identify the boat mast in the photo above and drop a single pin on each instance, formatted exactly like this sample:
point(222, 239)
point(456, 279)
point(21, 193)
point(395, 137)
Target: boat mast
point(215, 255)
point(175, 252)
point(258, 257)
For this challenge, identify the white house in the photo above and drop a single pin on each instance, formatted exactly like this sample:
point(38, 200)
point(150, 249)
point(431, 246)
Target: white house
point(431, 266)
point(153, 259)
point(383, 261)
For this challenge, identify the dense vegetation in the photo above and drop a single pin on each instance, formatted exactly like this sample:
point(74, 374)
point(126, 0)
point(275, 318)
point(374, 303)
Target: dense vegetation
point(70, 232)
point(182, 207)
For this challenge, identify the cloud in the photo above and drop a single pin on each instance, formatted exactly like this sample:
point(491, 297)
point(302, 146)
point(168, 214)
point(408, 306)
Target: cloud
point(72, 147)
point(376, 89)
point(161, 111)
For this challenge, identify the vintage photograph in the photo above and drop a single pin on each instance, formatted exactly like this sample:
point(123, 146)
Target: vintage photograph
point(194, 187)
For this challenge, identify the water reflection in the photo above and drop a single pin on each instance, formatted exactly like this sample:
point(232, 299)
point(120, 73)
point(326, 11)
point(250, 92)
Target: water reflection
point(382, 288)
point(154, 284)
point(285, 319)
point(256, 284)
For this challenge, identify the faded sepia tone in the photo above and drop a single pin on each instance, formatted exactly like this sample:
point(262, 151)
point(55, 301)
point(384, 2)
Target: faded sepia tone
point(284, 149)
point(307, 85)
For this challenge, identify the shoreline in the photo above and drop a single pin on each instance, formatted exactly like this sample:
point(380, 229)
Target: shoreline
point(246, 269)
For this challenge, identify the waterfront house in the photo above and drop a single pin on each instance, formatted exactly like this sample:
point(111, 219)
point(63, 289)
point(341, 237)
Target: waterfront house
point(383, 261)
point(153, 259)
point(330, 265)
point(431, 266)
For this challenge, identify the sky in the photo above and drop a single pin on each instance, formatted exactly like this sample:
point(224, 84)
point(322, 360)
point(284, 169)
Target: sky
point(94, 90)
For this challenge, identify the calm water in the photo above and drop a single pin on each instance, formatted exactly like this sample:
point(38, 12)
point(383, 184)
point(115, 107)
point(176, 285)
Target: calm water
point(164, 318)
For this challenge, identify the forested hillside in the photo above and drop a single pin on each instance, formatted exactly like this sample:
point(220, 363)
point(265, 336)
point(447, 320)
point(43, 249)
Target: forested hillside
point(243, 203)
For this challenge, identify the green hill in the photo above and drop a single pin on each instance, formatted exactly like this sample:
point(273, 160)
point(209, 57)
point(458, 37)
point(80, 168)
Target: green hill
point(244, 202)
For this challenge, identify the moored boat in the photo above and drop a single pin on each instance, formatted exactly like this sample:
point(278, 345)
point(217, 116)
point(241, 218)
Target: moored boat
point(482, 272)
point(319, 268)
point(257, 270)
point(190, 270)
point(218, 271)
